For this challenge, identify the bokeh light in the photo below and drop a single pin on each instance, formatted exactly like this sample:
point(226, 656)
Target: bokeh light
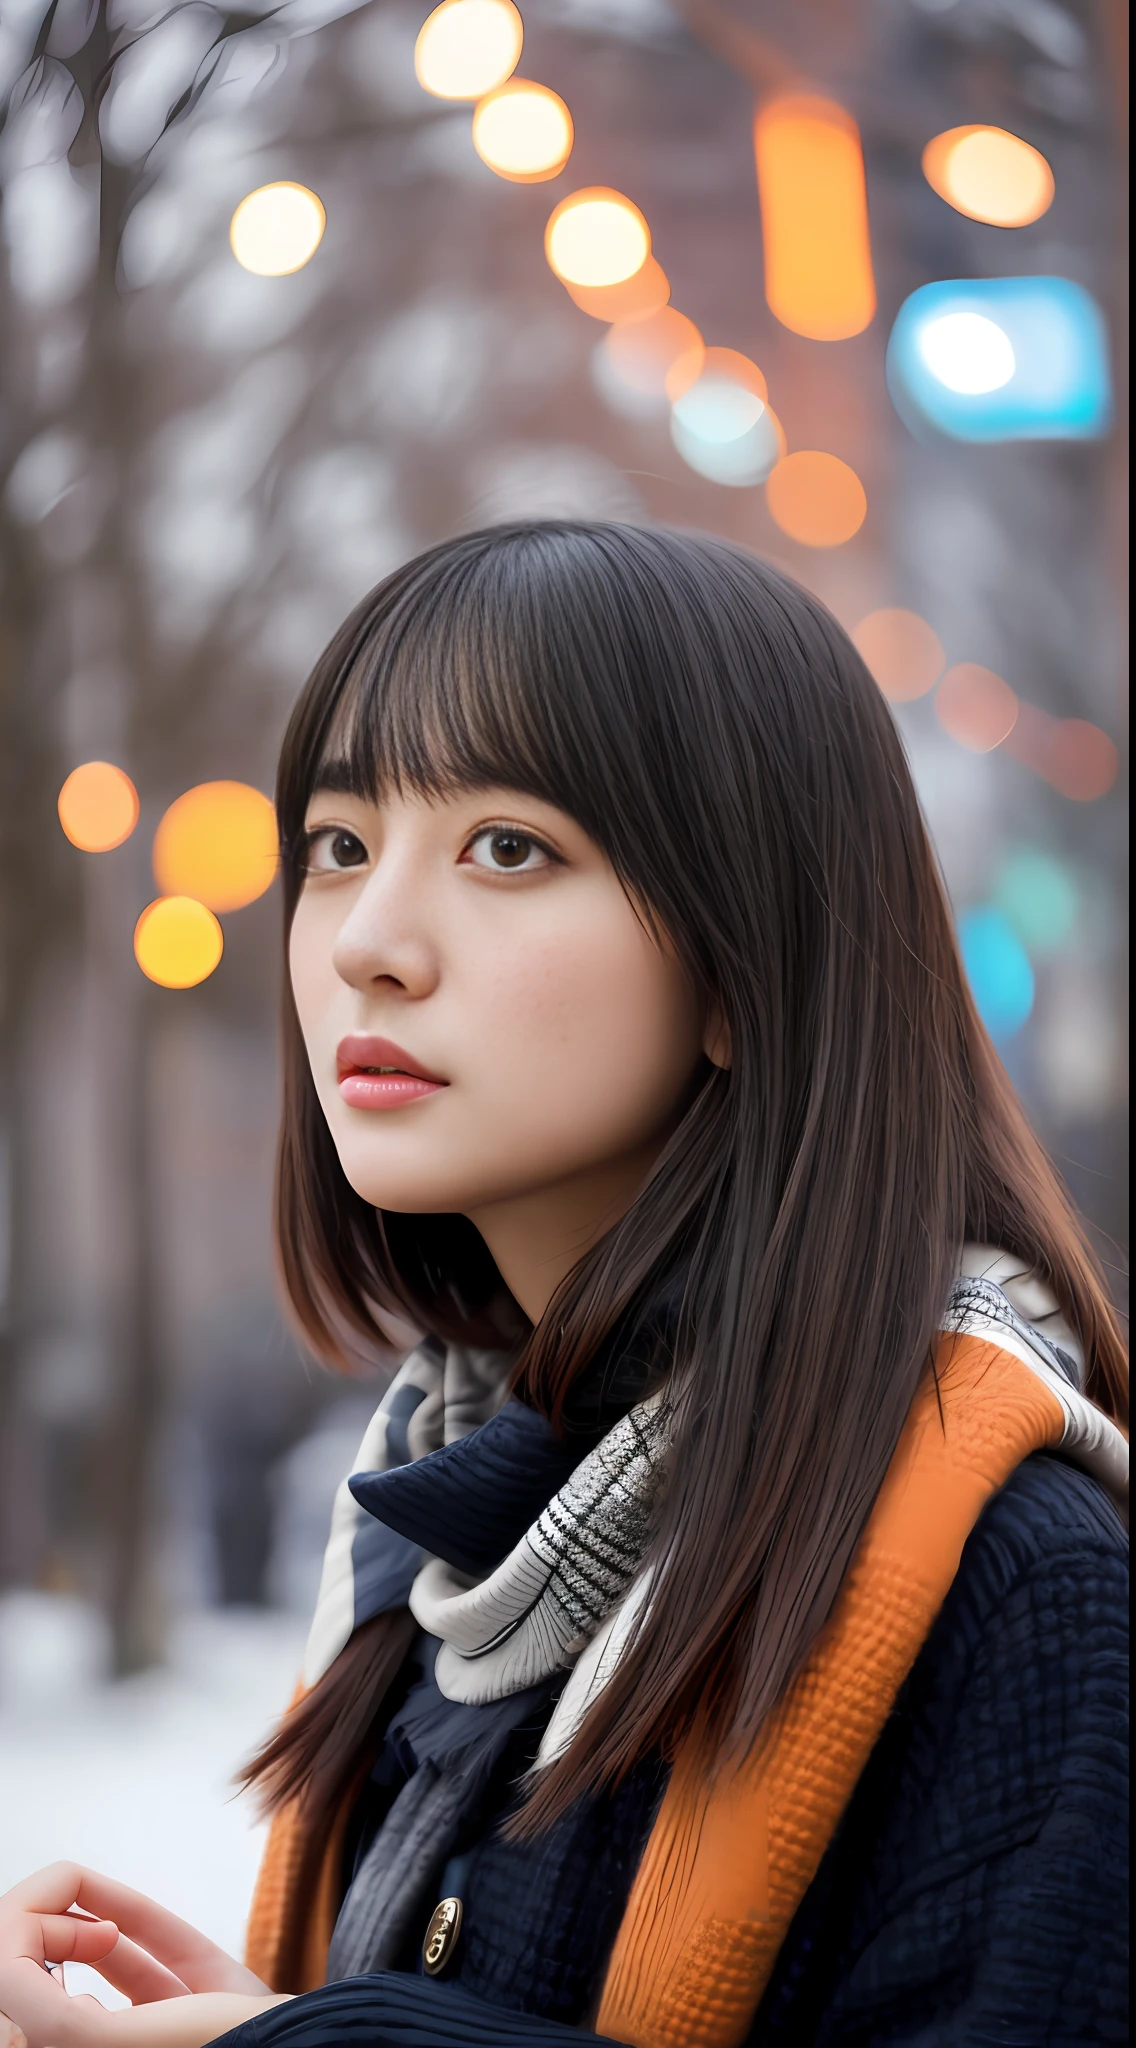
point(277, 229)
point(1002, 359)
point(523, 132)
point(1083, 762)
point(217, 843)
point(716, 409)
point(631, 299)
point(637, 358)
point(903, 652)
point(967, 352)
point(177, 941)
point(596, 237)
point(1039, 896)
point(721, 423)
point(989, 175)
point(745, 460)
point(98, 806)
point(815, 498)
point(814, 218)
point(729, 383)
point(468, 47)
point(975, 706)
point(1032, 738)
point(998, 969)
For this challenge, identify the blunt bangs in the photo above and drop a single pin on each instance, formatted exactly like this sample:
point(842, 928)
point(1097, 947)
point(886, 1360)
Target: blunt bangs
point(467, 669)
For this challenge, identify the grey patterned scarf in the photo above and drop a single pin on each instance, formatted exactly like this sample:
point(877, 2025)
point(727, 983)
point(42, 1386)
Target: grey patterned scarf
point(532, 1616)
point(501, 1641)
point(440, 1394)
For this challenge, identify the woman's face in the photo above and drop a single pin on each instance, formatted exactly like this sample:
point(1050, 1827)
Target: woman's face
point(485, 1015)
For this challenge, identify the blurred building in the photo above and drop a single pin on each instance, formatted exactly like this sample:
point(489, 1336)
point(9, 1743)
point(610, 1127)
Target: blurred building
point(204, 468)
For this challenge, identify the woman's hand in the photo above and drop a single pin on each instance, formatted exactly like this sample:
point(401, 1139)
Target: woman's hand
point(68, 1914)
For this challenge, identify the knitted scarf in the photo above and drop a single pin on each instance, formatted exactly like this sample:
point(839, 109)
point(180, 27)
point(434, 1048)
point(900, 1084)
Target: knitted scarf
point(731, 1854)
point(533, 1615)
point(440, 1394)
point(494, 1650)
point(734, 1850)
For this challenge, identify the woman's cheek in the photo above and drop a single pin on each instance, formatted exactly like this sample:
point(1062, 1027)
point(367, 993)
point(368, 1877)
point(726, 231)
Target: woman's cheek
point(315, 984)
point(593, 1039)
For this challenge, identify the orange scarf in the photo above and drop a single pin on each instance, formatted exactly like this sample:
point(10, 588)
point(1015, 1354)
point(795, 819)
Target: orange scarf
point(730, 1858)
point(297, 1896)
point(729, 1861)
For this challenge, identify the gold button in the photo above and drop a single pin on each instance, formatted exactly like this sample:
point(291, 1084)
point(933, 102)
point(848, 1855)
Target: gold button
point(441, 1936)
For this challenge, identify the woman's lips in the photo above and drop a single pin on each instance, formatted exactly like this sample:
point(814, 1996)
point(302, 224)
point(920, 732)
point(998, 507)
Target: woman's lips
point(384, 1091)
point(375, 1073)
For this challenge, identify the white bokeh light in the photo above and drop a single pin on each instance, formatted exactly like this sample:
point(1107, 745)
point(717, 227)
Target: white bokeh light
point(715, 408)
point(740, 462)
point(467, 47)
point(277, 229)
point(596, 237)
point(967, 352)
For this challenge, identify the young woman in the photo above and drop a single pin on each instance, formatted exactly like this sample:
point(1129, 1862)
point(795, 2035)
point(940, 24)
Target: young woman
point(720, 1638)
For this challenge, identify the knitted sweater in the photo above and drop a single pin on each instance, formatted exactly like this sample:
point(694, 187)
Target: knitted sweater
point(975, 1891)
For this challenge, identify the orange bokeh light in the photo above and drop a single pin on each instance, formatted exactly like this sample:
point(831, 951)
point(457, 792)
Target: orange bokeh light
point(646, 354)
point(523, 132)
point(634, 298)
point(177, 942)
point(596, 237)
point(989, 175)
point(98, 806)
point(814, 218)
point(976, 706)
point(217, 843)
point(1084, 763)
point(1074, 756)
point(816, 498)
point(903, 652)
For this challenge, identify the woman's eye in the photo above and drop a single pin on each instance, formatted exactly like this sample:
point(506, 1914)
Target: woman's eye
point(504, 849)
point(333, 849)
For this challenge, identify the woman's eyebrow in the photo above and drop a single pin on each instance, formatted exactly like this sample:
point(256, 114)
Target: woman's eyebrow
point(337, 778)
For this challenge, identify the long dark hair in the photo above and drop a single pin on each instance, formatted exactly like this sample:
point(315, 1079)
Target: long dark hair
point(710, 725)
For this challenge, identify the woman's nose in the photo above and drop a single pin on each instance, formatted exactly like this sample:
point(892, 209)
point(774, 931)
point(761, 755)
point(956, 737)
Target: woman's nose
point(384, 938)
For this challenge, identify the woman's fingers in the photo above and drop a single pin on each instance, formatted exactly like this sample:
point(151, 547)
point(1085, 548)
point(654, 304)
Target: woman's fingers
point(50, 1890)
point(198, 1962)
point(29, 1938)
point(135, 1973)
point(195, 1961)
point(54, 1938)
point(34, 2001)
point(11, 2036)
point(64, 1938)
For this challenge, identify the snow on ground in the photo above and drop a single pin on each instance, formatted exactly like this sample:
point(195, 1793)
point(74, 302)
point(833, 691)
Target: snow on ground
point(134, 1778)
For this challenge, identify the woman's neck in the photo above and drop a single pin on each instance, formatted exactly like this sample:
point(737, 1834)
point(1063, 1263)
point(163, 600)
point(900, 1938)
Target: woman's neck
point(536, 1238)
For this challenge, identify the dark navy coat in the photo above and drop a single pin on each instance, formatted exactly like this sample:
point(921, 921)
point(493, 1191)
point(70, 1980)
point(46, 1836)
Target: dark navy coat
point(975, 1892)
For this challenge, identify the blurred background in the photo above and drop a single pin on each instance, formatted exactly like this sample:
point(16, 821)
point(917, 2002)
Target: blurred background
point(289, 293)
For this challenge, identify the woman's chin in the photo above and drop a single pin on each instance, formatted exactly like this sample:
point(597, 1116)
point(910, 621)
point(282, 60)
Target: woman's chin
point(405, 1194)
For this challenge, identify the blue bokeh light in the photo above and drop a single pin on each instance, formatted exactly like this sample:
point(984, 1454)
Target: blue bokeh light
point(1040, 897)
point(998, 969)
point(1049, 329)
